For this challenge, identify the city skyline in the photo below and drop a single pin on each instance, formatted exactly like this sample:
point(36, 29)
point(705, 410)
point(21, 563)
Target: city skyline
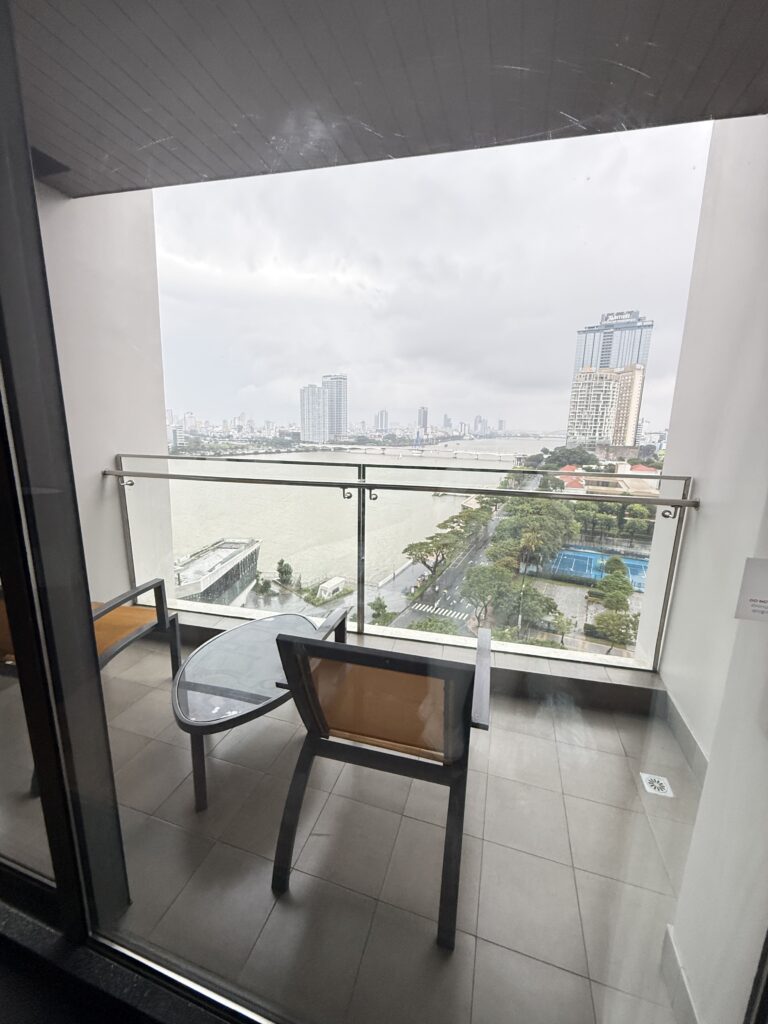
point(453, 281)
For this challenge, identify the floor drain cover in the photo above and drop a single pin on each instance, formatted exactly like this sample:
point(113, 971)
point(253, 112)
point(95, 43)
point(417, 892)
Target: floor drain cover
point(656, 784)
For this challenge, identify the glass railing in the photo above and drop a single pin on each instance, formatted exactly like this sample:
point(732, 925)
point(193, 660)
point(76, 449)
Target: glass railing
point(573, 566)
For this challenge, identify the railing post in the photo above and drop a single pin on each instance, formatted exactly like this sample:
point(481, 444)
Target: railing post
point(361, 550)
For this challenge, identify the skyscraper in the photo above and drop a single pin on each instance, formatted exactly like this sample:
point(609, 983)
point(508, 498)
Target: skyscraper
point(381, 421)
point(605, 406)
point(608, 378)
point(422, 419)
point(314, 413)
point(620, 339)
point(335, 385)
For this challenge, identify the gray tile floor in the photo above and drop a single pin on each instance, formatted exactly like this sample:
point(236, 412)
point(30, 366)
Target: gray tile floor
point(569, 868)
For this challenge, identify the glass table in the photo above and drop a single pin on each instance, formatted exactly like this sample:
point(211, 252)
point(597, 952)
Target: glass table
point(235, 677)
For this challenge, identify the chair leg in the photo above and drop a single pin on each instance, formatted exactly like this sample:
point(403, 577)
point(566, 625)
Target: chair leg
point(197, 743)
point(174, 640)
point(449, 890)
point(290, 821)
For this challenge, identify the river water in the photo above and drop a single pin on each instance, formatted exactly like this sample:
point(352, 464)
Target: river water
point(314, 528)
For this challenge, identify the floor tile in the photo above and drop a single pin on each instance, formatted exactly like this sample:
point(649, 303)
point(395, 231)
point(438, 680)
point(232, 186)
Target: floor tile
point(527, 818)
point(124, 745)
point(415, 873)
point(173, 734)
point(406, 977)
point(256, 744)
point(617, 843)
point(306, 959)
point(161, 859)
point(151, 776)
point(350, 844)
point(256, 825)
point(380, 789)
point(649, 739)
point(612, 1007)
point(624, 928)
point(595, 775)
point(520, 714)
point(511, 988)
point(428, 801)
point(524, 759)
point(148, 716)
point(154, 669)
point(587, 727)
point(229, 785)
point(529, 904)
point(479, 749)
point(287, 712)
point(216, 918)
point(684, 805)
point(119, 694)
point(14, 738)
point(324, 774)
point(23, 837)
point(673, 839)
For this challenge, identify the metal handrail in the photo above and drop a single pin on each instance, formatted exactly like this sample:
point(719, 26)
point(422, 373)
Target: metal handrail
point(372, 485)
point(452, 468)
point(672, 508)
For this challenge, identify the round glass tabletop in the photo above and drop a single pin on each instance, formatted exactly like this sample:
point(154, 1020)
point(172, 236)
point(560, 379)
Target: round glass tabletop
point(236, 673)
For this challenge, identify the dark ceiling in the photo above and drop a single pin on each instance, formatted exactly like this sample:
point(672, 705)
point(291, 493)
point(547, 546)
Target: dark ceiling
point(129, 94)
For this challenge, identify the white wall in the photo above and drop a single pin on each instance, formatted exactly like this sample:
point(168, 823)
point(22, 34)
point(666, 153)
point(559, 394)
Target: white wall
point(102, 278)
point(719, 419)
point(716, 668)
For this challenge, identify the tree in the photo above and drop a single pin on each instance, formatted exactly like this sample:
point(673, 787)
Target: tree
point(482, 585)
point(505, 554)
point(616, 564)
point(434, 625)
point(381, 615)
point(432, 552)
point(523, 605)
point(284, 572)
point(264, 587)
point(562, 625)
point(618, 628)
point(551, 483)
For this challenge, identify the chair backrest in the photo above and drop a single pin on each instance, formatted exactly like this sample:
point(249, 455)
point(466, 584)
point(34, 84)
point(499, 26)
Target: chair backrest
point(410, 704)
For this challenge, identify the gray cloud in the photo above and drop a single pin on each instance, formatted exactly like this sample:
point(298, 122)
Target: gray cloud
point(455, 281)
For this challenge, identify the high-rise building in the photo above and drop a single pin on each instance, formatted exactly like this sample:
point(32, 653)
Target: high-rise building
point(423, 419)
point(335, 385)
point(605, 406)
point(314, 413)
point(620, 339)
point(502, 426)
point(447, 422)
point(381, 421)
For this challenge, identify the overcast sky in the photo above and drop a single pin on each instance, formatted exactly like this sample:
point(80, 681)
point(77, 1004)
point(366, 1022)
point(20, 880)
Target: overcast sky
point(455, 281)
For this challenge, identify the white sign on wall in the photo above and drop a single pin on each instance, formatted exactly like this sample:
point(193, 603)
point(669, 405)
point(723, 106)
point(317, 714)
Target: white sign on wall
point(753, 596)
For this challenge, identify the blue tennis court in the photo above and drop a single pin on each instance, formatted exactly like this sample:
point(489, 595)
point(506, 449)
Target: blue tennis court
point(590, 565)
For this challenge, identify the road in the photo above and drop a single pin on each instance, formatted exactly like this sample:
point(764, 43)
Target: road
point(443, 600)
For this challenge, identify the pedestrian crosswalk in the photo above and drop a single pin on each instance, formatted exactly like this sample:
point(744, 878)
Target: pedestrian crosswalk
point(447, 613)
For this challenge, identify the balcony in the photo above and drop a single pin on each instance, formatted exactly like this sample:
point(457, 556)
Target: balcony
point(570, 868)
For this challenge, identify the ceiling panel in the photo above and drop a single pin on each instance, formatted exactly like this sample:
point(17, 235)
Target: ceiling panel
point(129, 94)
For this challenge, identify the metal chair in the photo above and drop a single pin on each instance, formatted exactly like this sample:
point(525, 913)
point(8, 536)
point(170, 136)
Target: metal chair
point(116, 624)
point(392, 712)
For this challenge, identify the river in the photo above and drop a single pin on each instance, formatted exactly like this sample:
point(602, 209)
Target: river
point(315, 528)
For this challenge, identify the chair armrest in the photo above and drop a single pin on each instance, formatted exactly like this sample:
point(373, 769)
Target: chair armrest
point(161, 604)
point(481, 693)
point(335, 622)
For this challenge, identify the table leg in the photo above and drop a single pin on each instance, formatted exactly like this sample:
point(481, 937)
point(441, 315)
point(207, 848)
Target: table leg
point(197, 742)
